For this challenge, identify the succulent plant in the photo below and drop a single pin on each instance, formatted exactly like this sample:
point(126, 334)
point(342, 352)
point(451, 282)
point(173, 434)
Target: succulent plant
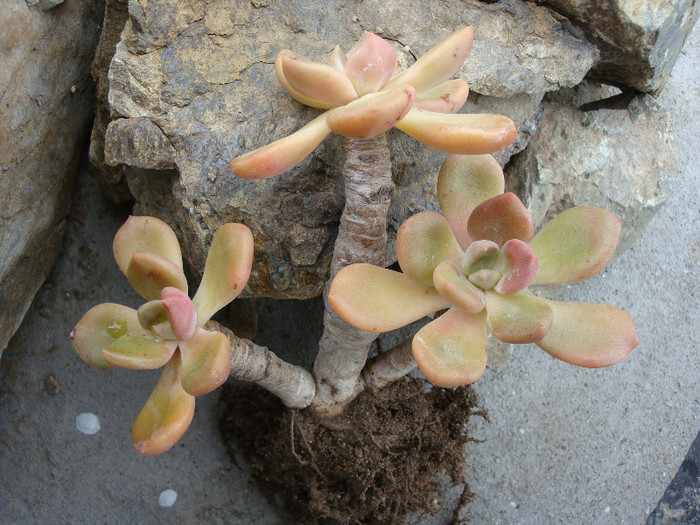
point(364, 99)
point(476, 261)
point(168, 330)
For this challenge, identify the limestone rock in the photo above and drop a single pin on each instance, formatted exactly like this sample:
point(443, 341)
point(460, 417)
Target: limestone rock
point(639, 40)
point(621, 160)
point(202, 74)
point(45, 107)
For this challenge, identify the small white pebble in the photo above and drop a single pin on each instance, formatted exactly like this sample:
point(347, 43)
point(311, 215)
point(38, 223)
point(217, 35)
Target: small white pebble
point(513, 504)
point(522, 430)
point(87, 423)
point(606, 509)
point(167, 498)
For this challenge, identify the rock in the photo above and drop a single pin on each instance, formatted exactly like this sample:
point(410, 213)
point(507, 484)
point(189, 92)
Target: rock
point(621, 160)
point(639, 40)
point(43, 5)
point(203, 75)
point(45, 108)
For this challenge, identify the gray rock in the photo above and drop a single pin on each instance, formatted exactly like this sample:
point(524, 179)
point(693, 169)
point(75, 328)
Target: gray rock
point(622, 160)
point(639, 40)
point(45, 108)
point(205, 80)
point(43, 5)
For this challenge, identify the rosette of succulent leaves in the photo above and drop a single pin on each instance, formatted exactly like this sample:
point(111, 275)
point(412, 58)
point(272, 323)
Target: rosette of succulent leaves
point(171, 330)
point(476, 260)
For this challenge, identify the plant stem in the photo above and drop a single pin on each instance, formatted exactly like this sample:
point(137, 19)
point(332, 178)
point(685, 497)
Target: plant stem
point(250, 362)
point(389, 366)
point(361, 237)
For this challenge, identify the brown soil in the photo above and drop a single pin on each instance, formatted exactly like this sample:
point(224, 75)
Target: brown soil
point(375, 464)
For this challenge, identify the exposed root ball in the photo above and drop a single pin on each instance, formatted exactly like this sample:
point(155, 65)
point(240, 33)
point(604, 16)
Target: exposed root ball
point(375, 464)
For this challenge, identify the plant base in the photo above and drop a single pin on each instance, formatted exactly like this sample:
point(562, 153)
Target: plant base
point(378, 462)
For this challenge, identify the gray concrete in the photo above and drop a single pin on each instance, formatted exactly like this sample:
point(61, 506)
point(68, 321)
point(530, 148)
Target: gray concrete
point(564, 445)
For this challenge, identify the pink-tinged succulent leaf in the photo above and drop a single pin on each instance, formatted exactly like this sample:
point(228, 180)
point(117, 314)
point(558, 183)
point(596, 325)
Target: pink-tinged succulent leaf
point(379, 300)
point(518, 266)
point(206, 362)
point(181, 312)
point(145, 234)
point(575, 245)
point(485, 278)
point(452, 349)
point(372, 114)
point(480, 255)
point(440, 63)
point(464, 182)
point(166, 415)
point(520, 318)
point(423, 241)
point(337, 59)
point(500, 219)
point(226, 272)
point(148, 273)
point(465, 134)
point(370, 64)
point(99, 328)
point(282, 154)
point(448, 97)
point(139, 350)
point(152, 313)
point(454, 286)
point(589, 335)
point(312, 83)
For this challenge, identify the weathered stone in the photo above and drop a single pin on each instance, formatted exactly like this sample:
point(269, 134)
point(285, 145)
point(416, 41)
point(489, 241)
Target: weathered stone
point(639, 40)
point(206, 81)
point(43, 5)
point(621, 160)
point(45, 107)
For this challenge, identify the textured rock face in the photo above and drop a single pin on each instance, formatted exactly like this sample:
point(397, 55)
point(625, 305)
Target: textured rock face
point(44, 109)
point(623, 160)
point(192, 85)
point(639, 40)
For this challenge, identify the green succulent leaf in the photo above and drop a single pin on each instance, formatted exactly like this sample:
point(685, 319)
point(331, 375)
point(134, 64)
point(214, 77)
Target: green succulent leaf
point(464, 182)
point(145, 234)
point(452, 349)
point(148, 273)
point(226, 272)
point(500, 219)
point(424, 241)
point(589, 335)
point(454, 286)
point(99, 328)
point(379, 300)
point(575, 245)
point(139, 350)
point(206, 362)
point(166, 415)
point(520, 318)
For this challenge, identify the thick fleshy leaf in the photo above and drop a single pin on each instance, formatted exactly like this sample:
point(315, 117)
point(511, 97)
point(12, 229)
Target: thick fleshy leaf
point(440, 63)
point(464, 182)
point(337, 59)
point(379, 300)
point(371, 64)
point(181, 312)
point(454, 286)
point(500, 219)
point(452, 349)
point(282, 154)
point(149, 273)
point(166, 415)
point(99, 328)
point(518, 266)
point(139, 350)
point(206, 362)
point(465, 134)
point(448, 97)
point(575, 245)
point(485, 278)
point(423, 241)
point(372, 114)
point(590, 335)
point(145, 234)
point(520, 318)
point(227, 270)
point(151, 314)
point(480, 255)
point(312, 83)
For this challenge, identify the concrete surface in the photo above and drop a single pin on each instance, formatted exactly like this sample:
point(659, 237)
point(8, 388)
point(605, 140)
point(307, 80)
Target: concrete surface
point(564, 445)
